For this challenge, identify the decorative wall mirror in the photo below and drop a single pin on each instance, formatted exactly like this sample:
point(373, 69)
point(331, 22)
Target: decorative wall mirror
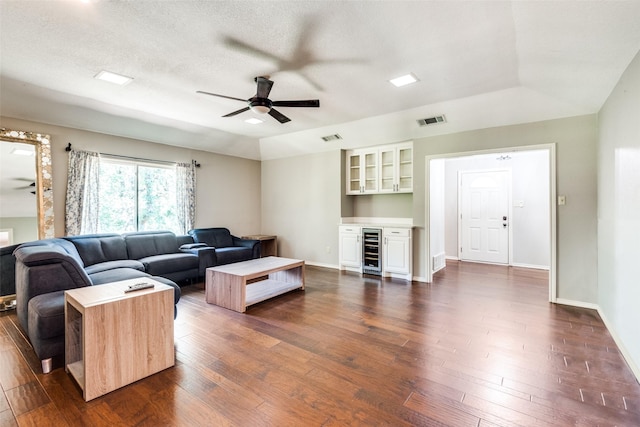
point(26, 195)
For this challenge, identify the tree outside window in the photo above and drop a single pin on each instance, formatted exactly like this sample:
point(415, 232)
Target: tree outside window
point(136, 197)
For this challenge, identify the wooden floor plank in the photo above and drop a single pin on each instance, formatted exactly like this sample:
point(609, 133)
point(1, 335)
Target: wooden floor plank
point(481, 346)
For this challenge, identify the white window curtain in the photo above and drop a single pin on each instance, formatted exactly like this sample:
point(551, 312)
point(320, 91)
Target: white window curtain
point(81, 206)
point(186, 195)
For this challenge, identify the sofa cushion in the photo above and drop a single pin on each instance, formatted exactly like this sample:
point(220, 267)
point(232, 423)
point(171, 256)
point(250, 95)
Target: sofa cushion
point(218, 237)
point(112, 265)
point(158, 265)
point(116, 275)
point(98, 248)
point(145, 244)
point(46, 315)
point(233, 254)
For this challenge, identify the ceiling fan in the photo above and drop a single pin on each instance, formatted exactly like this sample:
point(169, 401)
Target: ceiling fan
point(261, 104)
point(25, 187)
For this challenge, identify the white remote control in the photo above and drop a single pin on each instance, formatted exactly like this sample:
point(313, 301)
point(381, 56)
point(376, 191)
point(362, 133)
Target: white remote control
point(139, 286)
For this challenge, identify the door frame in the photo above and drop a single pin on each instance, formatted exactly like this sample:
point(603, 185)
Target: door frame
point(551, 148)
point(509, 211)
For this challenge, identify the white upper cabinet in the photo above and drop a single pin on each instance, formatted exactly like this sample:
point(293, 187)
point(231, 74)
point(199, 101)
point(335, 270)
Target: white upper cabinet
point(396, 169)
point(384, 169)
point(362, 171)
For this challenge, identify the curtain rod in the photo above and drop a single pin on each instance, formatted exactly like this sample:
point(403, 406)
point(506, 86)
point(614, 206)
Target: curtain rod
point(195, 163)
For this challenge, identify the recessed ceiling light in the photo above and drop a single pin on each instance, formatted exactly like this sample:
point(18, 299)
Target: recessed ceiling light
point(404, 80)
point(110, 77)
point(22, 152)
point(253, 121)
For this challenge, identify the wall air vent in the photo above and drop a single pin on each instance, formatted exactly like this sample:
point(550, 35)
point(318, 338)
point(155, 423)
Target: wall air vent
point(432, 120)
point(331, 137)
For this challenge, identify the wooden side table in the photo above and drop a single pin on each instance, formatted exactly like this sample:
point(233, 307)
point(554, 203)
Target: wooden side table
point(113, 338)
point(268, 244)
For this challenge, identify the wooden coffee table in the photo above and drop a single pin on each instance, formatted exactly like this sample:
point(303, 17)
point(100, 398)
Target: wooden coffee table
point(237, 286)
point(113, 338)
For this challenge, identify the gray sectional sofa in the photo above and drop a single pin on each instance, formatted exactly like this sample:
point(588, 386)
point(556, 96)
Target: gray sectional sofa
point(46, 268)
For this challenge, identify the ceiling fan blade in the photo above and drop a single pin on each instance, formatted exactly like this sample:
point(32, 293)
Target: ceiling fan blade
point(242, 110)
point(264, 87)
point(221, 96)
point(279, 116)
point(305, 103)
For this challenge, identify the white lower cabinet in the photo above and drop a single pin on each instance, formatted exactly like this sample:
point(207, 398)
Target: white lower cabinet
point(350, 251)
point(397, 253)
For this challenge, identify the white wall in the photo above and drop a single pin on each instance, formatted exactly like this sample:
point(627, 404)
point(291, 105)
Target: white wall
point(303, 197)
point(575, 140)
point(25, 229)
point(619, 213)
point(228, 188)
point(529, 222)
point(301, 204)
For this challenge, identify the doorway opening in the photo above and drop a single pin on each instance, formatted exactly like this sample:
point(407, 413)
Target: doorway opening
point(520, 233)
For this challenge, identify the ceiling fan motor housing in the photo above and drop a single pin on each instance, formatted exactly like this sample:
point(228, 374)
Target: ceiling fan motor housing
point(260, 105)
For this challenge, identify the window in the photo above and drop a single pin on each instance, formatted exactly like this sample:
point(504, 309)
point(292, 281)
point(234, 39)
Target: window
point(136, 197)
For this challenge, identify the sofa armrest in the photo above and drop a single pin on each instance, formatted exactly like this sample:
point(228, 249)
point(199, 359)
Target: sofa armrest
point(42, 270)
point(248, 243)
point(187, 246)
point(206, 255)
point(64, 272)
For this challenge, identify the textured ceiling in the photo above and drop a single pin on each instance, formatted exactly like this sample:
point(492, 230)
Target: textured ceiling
point(481, 63)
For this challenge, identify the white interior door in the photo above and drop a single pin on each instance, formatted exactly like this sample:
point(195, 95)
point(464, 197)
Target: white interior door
point(484, 216)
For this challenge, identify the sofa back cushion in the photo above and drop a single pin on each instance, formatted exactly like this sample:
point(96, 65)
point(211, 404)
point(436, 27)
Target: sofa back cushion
point(98, 248)
point(149, 243)
point(218, 237)
point(56, 242)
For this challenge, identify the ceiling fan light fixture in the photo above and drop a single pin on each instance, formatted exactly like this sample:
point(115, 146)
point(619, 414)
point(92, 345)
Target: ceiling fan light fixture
point(260, 109)
point(253, 121)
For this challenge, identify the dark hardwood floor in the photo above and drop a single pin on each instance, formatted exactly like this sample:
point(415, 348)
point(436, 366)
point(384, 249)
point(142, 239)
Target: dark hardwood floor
point(481, 346)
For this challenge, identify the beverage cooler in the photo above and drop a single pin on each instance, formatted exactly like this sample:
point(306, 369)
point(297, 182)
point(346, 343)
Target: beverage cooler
point(372, 251)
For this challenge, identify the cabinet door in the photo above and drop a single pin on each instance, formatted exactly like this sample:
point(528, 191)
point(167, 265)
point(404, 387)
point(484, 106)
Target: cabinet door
point(397, 251)
point(404, 169)
point(370, 172)
point(388, 170)
point(354, 170)
point(396, 169)
point(350, 247)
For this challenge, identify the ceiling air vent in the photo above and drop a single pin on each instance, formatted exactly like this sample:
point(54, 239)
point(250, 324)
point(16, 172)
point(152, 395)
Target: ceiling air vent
point(331, 137)
point(432, 120)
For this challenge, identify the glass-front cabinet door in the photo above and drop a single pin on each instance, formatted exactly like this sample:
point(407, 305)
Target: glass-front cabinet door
point(396, 169)
point(388, 170)
point(362, 171)
point(371, 172)
point(405, 169)
point(353, 173)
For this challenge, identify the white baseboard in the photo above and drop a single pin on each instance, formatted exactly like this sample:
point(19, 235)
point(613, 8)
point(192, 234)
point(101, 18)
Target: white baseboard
point(537, 267)
point(320, 264)
point(625, 354)
point(580, 304)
